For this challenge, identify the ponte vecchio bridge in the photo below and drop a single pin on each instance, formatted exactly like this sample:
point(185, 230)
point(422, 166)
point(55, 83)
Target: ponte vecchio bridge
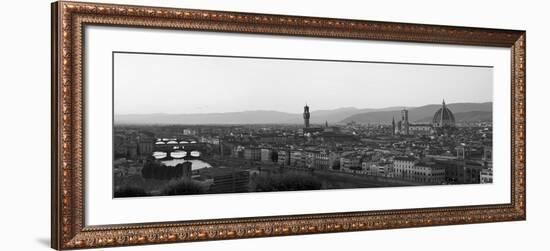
point(181, 147)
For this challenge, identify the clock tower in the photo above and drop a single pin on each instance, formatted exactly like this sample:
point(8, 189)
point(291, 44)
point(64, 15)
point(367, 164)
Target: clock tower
point(306, 116)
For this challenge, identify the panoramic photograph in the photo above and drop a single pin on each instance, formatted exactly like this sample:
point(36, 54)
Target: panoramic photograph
point(201, 124)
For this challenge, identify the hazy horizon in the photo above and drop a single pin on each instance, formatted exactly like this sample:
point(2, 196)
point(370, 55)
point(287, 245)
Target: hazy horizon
point(301, 109)
point(186, 84)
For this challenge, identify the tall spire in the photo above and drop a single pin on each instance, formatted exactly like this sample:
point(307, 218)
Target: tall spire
point(393, 126)
point(306, 116)
point(442, 112)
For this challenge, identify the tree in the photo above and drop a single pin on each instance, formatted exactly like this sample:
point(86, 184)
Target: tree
point(128, 191)
point(288, 182)
point(274, 156)
point(183, 187)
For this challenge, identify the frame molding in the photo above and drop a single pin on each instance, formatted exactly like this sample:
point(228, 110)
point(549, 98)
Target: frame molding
point(68, 230)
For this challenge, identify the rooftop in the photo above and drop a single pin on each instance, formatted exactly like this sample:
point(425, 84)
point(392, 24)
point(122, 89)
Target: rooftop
point(405, 158)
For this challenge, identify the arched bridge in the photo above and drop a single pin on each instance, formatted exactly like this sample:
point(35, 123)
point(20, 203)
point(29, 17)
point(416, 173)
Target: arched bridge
point(189, 146)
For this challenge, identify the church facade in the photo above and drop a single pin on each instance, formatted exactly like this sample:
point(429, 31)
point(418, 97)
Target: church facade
point(443, 122)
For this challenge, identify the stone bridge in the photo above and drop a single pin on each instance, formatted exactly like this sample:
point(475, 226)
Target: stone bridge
point(188, 146)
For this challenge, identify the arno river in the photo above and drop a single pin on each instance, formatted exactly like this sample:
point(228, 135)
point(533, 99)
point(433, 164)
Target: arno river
point(178, 158)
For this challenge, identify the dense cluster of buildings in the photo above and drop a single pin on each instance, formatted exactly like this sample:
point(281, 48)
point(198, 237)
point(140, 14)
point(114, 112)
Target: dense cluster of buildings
point(434, 153)
point(439, 152)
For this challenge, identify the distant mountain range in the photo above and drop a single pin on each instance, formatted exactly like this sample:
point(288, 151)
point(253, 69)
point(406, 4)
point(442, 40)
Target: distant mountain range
point(471, 116)
point(462, 112)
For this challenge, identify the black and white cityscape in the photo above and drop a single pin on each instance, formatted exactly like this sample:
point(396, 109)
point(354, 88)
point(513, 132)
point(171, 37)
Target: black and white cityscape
point(197, 147)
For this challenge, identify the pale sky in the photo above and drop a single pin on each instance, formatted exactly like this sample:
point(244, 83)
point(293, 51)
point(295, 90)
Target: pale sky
point(147, 83)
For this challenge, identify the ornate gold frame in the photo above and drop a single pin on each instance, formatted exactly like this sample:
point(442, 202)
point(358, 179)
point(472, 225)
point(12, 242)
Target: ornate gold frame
point(68, 228)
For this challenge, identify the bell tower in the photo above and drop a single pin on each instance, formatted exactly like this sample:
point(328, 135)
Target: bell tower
point(393, 126)
point(405, 119)
point(306, 116)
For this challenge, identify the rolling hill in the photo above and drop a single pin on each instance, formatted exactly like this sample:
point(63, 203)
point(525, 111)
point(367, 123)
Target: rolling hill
point(462, 111)
point(247, 117)
point(467, 116)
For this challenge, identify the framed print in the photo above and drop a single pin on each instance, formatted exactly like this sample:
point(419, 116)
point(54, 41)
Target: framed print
point(163, 118)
